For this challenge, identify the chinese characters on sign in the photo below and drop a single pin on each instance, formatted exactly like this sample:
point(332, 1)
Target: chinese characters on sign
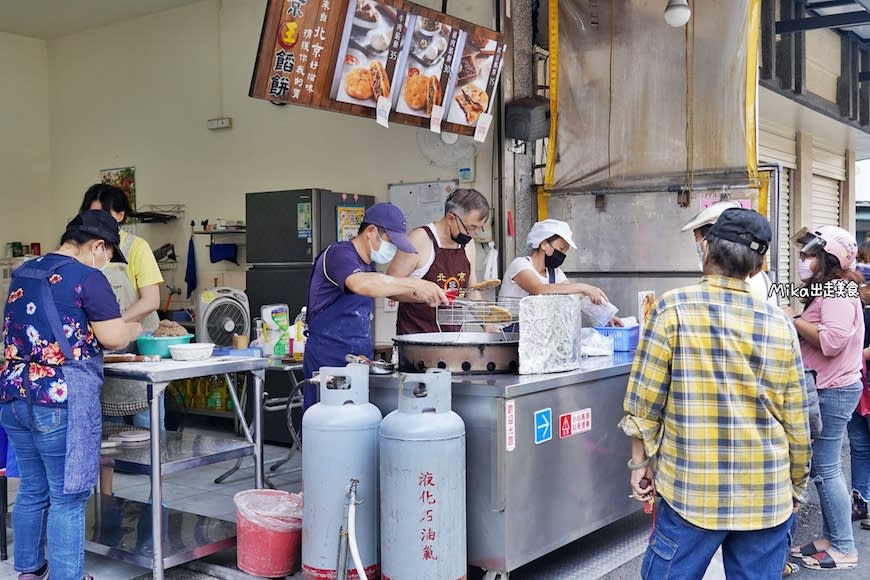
point(302, 36)
point(393, 56)
point(428, 520)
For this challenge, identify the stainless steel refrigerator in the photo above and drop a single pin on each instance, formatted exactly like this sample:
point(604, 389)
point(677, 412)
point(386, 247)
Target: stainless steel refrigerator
point(286, 230)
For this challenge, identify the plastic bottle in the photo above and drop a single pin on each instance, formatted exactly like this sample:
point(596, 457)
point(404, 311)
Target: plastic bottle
point(299, 335)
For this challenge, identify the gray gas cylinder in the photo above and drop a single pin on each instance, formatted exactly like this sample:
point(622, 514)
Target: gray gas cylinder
point(340, 443)
point(422, 471)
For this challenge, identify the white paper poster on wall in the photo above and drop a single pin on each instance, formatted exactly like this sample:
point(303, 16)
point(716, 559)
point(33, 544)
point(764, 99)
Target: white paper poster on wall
point(421, 202)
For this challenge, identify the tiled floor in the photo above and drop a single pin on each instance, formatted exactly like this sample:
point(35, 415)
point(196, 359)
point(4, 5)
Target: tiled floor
point(192, 491)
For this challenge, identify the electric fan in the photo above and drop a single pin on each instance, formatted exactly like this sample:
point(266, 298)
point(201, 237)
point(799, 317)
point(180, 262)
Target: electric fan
point(446, 150)
point(220, 313)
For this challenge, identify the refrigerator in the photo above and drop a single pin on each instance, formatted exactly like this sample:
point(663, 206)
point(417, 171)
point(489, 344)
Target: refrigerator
point(286, 230)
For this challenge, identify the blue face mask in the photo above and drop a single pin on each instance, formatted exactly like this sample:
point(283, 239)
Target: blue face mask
point(384, 254)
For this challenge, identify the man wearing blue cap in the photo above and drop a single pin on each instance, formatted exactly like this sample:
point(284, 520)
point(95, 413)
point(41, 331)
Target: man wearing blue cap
point(343, 287)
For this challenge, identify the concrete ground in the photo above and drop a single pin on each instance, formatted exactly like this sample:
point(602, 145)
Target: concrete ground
point(614, 552)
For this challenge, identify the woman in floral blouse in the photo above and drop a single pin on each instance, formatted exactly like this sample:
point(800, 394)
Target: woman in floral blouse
point(59, 315)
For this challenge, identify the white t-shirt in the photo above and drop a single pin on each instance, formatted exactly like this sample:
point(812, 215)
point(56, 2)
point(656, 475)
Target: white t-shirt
point(510, 290)
point(759, 285)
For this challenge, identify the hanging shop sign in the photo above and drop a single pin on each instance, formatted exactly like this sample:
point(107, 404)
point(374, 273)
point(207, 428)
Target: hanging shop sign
point(418, 66)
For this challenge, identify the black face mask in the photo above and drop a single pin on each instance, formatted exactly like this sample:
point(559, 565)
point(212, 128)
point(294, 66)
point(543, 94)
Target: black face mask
point(555, 259)
point(461, 239)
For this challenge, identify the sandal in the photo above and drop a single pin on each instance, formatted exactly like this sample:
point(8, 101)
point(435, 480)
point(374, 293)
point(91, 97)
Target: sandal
point(790, 570)
point(865, 524)
point(805, 550)
point(824, 561)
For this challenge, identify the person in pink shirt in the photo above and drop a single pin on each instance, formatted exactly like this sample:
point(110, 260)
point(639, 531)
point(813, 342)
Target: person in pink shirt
point(831, 332)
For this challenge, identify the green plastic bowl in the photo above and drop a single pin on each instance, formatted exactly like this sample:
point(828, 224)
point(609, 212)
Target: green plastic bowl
point(159, 345)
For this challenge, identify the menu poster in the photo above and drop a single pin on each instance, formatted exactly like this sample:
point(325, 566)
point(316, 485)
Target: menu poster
point(371, 53)
point(431, 65)
point(479, 70)
point(340, 55)
point(295, 51)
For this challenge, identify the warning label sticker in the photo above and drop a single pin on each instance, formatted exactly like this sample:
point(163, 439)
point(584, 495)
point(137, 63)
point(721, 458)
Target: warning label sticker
point(510, 431)
point(575, 422)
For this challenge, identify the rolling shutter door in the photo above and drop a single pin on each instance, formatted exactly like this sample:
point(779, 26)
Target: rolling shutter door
point(826, 201)
point(829, 169)
point(773, 147)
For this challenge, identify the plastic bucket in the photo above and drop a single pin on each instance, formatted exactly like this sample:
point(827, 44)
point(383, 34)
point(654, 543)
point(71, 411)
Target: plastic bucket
point(269, 530)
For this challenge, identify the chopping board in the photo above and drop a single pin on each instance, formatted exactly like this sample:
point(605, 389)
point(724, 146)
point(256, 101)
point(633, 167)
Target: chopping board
point(129, 357)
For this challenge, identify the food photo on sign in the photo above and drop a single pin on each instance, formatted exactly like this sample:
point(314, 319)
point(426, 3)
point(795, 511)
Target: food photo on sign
point(478, 72)
point(430, 65)
point(371, 53)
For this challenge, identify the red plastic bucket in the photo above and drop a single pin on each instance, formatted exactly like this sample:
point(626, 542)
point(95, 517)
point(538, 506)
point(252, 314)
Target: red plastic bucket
point(269, 531)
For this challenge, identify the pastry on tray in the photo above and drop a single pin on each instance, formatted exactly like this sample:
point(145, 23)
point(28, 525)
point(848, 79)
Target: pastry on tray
point(358, 83)
point(494, 314)
point(473, 100)
point(467, 69)
point(380, 81)
point(416, 91)
point(433, 94)
point(366, 11)
point(477, 38)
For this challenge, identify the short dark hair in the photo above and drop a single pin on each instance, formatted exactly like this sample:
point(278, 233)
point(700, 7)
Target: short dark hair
point(464, 201)
point(111, 198)
point(864, 253)
point(364, 225)
point(731, 258)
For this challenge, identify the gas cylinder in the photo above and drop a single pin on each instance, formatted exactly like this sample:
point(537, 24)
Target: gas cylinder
point(340, 443)
point(422, 474)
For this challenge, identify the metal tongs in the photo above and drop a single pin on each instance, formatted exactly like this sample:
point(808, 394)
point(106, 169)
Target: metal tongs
point(376, 367)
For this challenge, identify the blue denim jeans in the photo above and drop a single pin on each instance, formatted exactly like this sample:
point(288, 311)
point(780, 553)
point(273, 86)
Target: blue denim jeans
point(678, 549)
point(43, 512)
point(826, 471)
point(859, 443)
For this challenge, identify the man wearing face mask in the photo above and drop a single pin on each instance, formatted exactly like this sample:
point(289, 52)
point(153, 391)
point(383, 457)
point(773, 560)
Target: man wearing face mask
point(444, 255)
point(343, 287)
point(540, 272)
point(759, 284)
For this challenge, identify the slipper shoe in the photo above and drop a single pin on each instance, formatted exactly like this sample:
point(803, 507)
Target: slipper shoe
point(805, 550)
point(865, 524)
point(824, 561)
point(790, 570)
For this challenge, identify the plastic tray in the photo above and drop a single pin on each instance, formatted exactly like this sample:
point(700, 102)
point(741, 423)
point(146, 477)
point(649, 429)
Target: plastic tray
point(624, 339)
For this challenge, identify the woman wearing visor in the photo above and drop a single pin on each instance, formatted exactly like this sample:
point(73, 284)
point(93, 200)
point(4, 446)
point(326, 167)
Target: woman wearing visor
point(831, 332)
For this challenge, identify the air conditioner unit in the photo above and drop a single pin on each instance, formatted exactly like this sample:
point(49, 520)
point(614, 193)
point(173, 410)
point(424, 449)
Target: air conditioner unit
point(220, 313)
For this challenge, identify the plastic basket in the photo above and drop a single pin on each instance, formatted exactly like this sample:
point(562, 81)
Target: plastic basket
point(624, 339)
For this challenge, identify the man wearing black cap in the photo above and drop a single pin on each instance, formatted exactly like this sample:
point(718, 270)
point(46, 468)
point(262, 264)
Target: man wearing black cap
point(716, 409)
point(343, 287)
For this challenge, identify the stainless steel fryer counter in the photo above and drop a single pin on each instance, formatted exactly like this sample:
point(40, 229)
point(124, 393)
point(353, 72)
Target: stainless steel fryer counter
point(535, 481)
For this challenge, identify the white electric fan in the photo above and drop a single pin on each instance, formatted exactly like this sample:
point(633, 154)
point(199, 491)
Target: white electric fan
point(220, 313)
point(447, 150)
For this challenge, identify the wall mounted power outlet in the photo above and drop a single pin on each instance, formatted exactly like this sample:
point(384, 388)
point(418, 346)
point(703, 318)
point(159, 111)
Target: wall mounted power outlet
point(220, 123)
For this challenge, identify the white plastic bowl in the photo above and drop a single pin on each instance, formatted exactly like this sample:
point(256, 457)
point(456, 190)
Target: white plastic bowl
point(192, 351)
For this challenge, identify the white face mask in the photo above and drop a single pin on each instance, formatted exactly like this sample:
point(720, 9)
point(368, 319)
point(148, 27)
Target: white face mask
point(94, 260)
point(384, 254)
point(700, 255)
point(805, 269)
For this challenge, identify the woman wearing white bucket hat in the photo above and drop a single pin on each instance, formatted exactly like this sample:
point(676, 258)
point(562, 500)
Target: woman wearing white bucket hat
point(540, 272)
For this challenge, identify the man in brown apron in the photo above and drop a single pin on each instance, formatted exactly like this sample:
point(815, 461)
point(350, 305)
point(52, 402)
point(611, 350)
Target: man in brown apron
point(444, 256)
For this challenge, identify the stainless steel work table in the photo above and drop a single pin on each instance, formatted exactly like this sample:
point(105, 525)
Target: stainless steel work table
point(171, 537)
point(530, 491)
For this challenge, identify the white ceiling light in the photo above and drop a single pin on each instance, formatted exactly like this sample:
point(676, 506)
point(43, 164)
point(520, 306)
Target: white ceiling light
point(677, 13)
